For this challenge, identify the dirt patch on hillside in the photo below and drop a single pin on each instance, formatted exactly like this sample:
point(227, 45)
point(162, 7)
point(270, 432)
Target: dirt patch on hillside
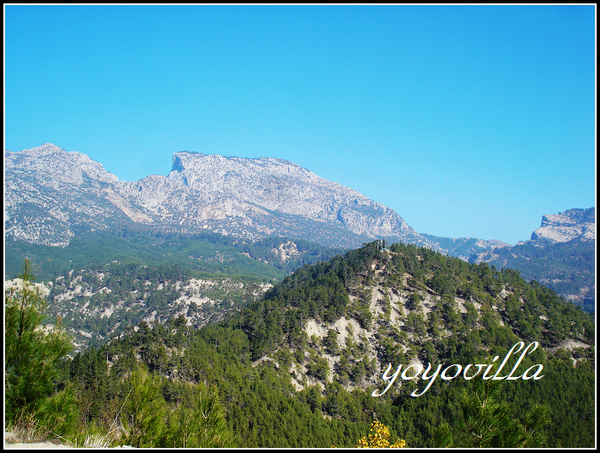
point(571, 343)
point(12, 441)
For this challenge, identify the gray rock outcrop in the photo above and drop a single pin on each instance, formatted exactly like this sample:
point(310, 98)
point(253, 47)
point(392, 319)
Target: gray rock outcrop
point(51, 192)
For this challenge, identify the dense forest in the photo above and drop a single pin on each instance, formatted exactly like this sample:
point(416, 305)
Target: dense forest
point(262, 378)
point(199, 253)
point(568, 268)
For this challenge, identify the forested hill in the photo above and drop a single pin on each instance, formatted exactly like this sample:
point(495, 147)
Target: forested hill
point(298, 367)
point(404, 302)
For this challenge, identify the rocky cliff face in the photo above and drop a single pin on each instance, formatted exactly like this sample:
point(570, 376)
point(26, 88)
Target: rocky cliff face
point(566, 226)
point(50, 193)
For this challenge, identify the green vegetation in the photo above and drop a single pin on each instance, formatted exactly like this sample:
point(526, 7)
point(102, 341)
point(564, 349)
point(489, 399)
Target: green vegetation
point(32, 359)
point(243, 372)
point(104, 282)
point(97, 304)
point(198, 253)
point(565, 267)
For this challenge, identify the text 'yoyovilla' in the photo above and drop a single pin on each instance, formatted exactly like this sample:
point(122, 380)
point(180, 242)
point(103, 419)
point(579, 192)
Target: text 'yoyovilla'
point(454, 370)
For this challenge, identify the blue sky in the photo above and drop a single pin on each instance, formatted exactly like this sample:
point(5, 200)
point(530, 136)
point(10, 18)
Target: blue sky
point(469, 121)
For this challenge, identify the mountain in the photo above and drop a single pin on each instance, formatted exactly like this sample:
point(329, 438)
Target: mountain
point(566, 226)
point(560, 254)
point(106, 283)
point(465, 248)
point(177, 293)
point(49, 193)
point(304, 365)
point(56, 199)
point(201, 253)
point(53, 195)
point(430, 297)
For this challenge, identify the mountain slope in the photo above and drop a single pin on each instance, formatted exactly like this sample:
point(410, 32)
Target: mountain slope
point(340, 323)
point(53, 197)
point(298, 367)
point(560, 254)
point(465, 248)
point(102, 283)
point(416, 291)
point(51, 193)
point(207, 253)
point(97, 305)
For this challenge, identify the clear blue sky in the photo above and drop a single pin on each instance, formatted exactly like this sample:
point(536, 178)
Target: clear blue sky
point(469, 121)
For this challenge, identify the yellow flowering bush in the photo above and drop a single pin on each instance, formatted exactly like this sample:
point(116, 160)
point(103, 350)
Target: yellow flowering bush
point(379, 437)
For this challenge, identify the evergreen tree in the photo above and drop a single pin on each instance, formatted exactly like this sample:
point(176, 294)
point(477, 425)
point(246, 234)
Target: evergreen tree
point(198, 421)
point(143, 410)
point(32, 355)
point(489, 423)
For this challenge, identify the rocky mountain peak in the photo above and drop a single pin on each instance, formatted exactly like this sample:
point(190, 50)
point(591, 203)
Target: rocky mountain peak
point(250, 187)
point(44, 150)
point(195, 166)
point(251, 198)
point(53, 166)
point(566, 226)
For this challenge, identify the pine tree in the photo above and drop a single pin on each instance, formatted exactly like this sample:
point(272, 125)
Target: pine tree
point(198, 421)
point(31, 353)
point(488, 423)
point(143, 410)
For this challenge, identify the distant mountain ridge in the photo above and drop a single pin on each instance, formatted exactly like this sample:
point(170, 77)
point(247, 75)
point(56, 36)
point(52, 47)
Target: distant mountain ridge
point(52, 196)
point(58, 192)
point(465, 248)
point(560, 254)
point(567, 226)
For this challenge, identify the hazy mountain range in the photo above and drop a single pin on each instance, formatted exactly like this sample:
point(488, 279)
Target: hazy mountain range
point(560, 254)
point(53, 196)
